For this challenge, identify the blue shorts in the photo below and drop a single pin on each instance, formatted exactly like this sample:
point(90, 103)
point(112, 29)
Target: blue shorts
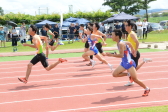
point(95, 50)
point(127, 65)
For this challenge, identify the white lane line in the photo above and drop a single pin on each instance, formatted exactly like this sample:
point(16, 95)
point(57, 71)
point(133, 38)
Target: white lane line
point(111, 61)
point(95, 84)
point(81, 78)
point(80, 58)
point(125, 104)
point(78, 95)
point(81, 68)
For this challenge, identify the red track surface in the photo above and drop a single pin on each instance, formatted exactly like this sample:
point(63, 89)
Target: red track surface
point(75, 87)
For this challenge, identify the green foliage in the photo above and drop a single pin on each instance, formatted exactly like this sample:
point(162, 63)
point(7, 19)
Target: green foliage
point(157, 19)
point(155, 15)
point(1, 11)
point(165, 14)
point(94, 16)
point(127, 6)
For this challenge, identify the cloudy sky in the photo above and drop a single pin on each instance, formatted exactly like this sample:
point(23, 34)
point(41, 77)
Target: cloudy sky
point(32, 6)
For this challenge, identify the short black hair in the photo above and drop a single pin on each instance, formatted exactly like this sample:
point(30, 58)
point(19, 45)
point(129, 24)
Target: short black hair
point(91, 24)
point(82, 25)
point(97, 25)
point(90, 28)
point(118, 33)
point(47, 25)
point(130, 23)
point(34, 28)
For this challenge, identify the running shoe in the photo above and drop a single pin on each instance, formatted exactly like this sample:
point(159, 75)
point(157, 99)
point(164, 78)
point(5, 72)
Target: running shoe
point(147, 60)
point(60, 43)
point(129, 84)
point(23, 80)
point(111, 67)
point(89, 64)
point(146, 92)
point(62, 60)
point(93, 63)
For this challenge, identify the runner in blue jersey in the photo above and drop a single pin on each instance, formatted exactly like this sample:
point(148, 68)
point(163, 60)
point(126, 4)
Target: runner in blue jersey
point(92, 40)
point(127, 62)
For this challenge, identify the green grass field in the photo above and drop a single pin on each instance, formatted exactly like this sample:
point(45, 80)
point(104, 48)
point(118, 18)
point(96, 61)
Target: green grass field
point(145, 109)
point(157, 19)
point(52, 56)
point(152, 37)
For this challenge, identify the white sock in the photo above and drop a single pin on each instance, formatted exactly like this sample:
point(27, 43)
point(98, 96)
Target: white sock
point(91, 60)
point(128, 74)
point(109, 65)
point(147, 88)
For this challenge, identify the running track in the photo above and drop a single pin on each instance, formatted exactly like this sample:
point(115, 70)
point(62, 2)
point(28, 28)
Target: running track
point(72, 86)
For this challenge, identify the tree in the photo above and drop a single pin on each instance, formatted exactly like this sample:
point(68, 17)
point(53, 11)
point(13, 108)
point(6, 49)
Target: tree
point(146, 6)
point(127, 6)
point(155, 15)
point(1, 11)
point(165, 14)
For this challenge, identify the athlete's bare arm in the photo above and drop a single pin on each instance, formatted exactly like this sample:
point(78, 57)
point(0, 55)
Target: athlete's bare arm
point(121, 51)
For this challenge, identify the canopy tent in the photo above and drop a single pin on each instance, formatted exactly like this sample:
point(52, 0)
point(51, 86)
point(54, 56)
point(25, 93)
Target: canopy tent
point(70, 20)
point(120, 17)
point(11, 23)
point(40, 24)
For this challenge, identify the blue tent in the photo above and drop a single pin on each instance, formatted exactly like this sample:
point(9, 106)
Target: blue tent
point(82, 21)
point(40, 24)
point(71, 19)
point(66, 24)
point(120, 17)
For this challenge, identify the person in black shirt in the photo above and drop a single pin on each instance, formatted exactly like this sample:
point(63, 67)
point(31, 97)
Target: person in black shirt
point(56, 32)
point(124, 32)
point(77, 32)
point(71, 32)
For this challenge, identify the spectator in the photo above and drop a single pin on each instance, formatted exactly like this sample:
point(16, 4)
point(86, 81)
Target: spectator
point(14, 36)
point(22, 34)
point(124, 32)
point(71, 32)
point(6, 32)
point(56, 32)
point(77, 31)
point(145, 28)
point(2, 36)
point(139, 28)
point(52, 30)
point(43, 31)
point(9, 35)
point(117, 26)
point(102, 28)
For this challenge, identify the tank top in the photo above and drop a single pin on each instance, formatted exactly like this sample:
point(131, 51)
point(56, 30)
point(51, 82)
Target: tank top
point(50, 36)
point(127, 54)
point(39, 47)
point(91, 42)
point(131, 40)
point(99, 40)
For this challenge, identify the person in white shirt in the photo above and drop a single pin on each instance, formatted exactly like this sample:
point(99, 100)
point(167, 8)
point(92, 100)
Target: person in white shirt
point(22, 33)
point(145, 28)
point(139, 28)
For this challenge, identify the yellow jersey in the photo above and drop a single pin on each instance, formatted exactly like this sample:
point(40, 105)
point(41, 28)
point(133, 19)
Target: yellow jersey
point(131, 40)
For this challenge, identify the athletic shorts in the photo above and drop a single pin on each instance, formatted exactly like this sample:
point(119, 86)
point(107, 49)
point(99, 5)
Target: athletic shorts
point(136, 58)
point(99, 47)
point(86, 44)
point(71, 36)
point(95, 50)
point(40, 57)
point(127, 65)
point(51, 43)
point(56, 35)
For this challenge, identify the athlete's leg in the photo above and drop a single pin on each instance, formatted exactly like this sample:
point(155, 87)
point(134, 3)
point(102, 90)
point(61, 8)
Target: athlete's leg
point(29, 68)
point(133, 74)
point(87, 54)
point(118, 72)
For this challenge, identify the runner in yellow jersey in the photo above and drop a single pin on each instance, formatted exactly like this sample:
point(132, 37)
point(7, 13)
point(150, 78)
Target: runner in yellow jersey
point(132, 38)
point(40, 55)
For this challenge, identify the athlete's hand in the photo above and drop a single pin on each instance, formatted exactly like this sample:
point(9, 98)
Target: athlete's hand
point(135, 54)
point(108, 54)
point(24, 44)
point(104, 44)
